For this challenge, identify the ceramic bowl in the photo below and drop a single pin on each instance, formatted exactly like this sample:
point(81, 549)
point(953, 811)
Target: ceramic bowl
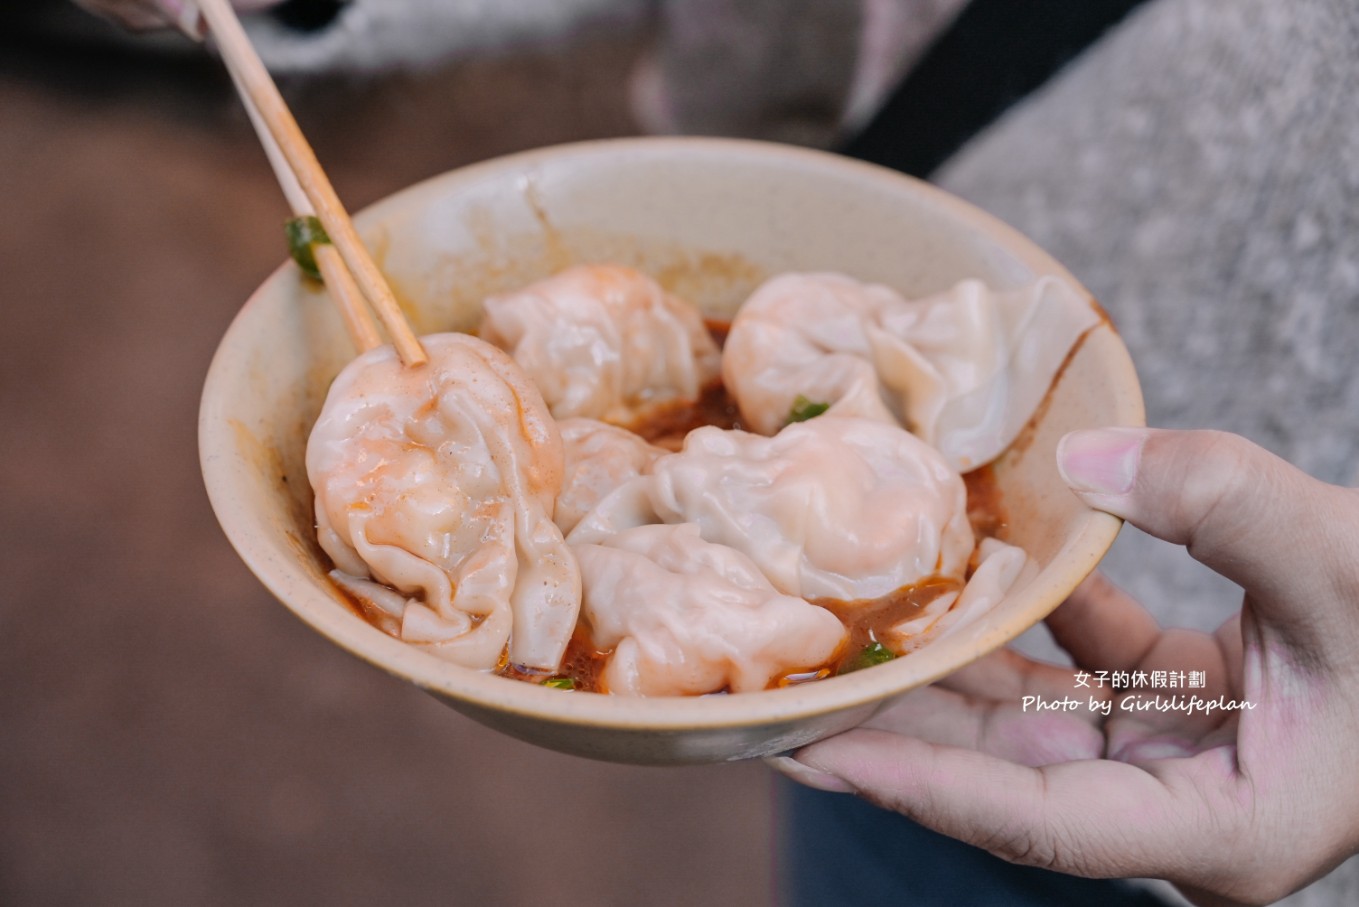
point(710, 219)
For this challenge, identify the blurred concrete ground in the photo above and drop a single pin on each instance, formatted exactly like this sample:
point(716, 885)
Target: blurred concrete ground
point(168, 733)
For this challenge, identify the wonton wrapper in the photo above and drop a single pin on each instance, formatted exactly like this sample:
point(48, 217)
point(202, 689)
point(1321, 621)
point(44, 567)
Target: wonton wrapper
point(599, 458)
point(439, 481)
point(835, 507)
point(604, 342)
point(965, 369)
point(1001, 569)
point(684, 616)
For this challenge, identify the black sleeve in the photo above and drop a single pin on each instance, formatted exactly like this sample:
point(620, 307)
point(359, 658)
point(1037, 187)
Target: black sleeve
point(994, 53)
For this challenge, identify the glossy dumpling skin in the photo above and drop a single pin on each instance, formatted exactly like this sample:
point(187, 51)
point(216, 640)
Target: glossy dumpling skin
point(684, 616)
point(972, 365)
point(439, 481)
point(604, 342)
point(807, 335)
point(836, 507)
point(1002, 569)
point(599, 458)
point(964, 369)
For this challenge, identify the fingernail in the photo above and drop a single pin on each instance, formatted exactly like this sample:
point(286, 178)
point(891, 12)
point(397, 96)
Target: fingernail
point(1101, 461)
point(805, 774)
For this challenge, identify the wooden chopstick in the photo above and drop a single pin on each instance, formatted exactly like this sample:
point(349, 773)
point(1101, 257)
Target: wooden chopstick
point(305, 181)
point(358, 321)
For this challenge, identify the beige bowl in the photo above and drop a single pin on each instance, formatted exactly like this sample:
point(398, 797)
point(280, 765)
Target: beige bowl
point(710, 219)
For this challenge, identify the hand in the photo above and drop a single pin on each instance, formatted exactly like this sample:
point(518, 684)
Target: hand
point(1232, 806)
point(143, 15)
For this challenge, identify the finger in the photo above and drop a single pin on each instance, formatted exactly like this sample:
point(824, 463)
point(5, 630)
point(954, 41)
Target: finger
point(1228, 638)
point(1292, 542)
point(1007, 674)
point(1102, 627)
point(1093, 818)
point(1031, 731)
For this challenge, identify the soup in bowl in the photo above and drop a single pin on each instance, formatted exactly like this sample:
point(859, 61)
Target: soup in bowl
point(710, 221)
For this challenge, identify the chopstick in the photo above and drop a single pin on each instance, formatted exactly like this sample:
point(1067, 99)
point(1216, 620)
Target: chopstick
point(358, 321)
point(345, 264)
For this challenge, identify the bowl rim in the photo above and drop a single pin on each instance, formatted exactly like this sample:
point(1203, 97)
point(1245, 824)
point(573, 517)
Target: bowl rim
point(294, 587)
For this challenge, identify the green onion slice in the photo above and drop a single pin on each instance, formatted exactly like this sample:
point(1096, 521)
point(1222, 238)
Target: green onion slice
point(804, 409)
point(873, 654)
point(303, 233)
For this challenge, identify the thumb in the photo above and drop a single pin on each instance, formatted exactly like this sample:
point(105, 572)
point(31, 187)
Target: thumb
point(1290, 541)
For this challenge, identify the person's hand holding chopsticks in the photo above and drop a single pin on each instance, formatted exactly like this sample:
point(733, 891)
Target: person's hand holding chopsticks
point(321, 235)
